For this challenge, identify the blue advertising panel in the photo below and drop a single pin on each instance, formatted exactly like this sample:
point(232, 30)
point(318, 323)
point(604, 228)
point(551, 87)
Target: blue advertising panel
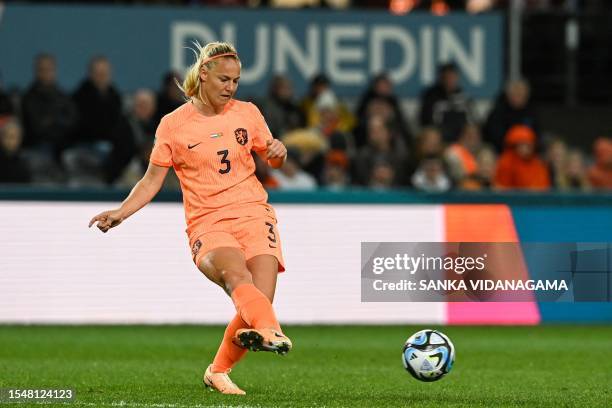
point(587, 223)
point(350, 47)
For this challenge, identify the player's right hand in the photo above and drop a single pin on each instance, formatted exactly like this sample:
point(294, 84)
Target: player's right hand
point(107, 220)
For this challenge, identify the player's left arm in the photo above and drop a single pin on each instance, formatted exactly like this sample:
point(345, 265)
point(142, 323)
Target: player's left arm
point(275, 153)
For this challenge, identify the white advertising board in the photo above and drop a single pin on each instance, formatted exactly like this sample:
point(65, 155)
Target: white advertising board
point(53, 269)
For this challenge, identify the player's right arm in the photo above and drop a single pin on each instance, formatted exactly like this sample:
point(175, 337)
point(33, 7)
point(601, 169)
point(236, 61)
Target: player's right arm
point(142, 193)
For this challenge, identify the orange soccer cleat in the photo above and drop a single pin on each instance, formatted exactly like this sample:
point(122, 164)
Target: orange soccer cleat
point(221, 382)
point(263, 340)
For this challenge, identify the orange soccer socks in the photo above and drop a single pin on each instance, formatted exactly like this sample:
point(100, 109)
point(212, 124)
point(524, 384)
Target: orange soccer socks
point(229, 353)
point(254, 307)
point(254, 310)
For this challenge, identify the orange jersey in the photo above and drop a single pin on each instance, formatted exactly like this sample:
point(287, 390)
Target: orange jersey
point(212, 158)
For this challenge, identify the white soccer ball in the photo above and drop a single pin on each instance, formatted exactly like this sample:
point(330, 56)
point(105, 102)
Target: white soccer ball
point(428, 355)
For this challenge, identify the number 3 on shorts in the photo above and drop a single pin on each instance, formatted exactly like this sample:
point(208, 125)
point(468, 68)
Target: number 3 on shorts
point(272, 234)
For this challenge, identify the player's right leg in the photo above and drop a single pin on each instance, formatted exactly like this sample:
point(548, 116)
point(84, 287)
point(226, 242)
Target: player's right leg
point(229, 354)
point(221, 382)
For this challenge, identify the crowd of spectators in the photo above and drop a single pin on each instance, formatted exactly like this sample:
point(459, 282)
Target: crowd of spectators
point(89, 138)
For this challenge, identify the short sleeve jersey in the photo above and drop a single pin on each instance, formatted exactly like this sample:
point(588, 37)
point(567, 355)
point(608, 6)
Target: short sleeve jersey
point(212, 157)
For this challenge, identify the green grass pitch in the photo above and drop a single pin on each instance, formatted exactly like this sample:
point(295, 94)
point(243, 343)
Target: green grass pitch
point(352, 366)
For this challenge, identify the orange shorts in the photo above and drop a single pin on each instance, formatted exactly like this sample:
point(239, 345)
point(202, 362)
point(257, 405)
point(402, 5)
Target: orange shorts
point(252, 229)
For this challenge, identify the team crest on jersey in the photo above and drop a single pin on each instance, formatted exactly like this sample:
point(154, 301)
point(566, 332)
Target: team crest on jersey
point(242, 137)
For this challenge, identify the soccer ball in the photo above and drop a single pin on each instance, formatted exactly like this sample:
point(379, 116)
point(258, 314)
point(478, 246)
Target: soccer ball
point(428, 355)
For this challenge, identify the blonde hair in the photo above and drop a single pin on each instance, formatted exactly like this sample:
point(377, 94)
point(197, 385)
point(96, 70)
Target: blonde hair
point(205, 56)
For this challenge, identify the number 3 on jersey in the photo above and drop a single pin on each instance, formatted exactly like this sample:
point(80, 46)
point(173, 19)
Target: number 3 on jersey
point(224, 161)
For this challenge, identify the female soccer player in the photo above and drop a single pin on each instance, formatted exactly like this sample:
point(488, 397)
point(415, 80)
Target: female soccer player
point(231, 227)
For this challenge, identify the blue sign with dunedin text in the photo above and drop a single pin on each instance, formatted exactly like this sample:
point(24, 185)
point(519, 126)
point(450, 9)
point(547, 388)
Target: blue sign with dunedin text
point(349, 47)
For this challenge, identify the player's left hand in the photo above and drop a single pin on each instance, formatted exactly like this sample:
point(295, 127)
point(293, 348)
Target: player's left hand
point(276, 150)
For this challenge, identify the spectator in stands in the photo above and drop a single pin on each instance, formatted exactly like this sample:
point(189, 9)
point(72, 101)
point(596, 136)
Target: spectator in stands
point(519, 167)
point(383, 108)
point(462, 155)
point(513, 107)
point(279, 108)
point(556, 159)
point(600, 173)
point(380, 96)
point(169, 96)
point(335, 174)
point(329, 111)
point(381, 147)
point(431, 176)
point(318, 85)
point(487, 163)
point(428, 143)
point(98, 102)
point(142, 118)
point(141, 127)
point(49, 115)
point(312, 146)
point(445, 105)
point(485, 173)
point(576, 175)
point(13, 168)
point(101, 120)
point(291, 176)
point(382, 176)
point(314, 142)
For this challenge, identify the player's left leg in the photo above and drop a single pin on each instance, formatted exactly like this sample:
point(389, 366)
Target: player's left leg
point(264, 270)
